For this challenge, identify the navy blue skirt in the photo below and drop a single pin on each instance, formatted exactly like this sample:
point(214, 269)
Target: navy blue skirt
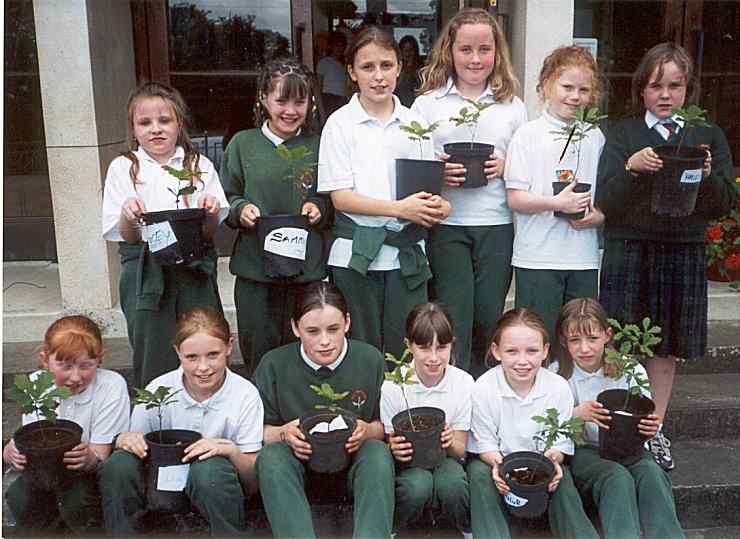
point(666, 282)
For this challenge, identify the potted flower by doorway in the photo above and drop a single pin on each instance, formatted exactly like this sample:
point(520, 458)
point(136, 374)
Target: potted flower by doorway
point(723, 249)
point(421, 425)
point(415, 175)
point(528, 473)
point(176, 236)
point(284, 237)
point(166, 451)
point(43, 441)
point(473, 155)
point(327, 428)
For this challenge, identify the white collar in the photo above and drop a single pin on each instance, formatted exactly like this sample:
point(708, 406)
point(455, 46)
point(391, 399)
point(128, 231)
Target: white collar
point(359, 114)
point(580, 374)
point(272, 137)
point(451, 88)
point(179, 155)
point(651, 119)
point(188, 401)
point(552, 119)
point(441, 387)
point(535, 392)
point(315, 366)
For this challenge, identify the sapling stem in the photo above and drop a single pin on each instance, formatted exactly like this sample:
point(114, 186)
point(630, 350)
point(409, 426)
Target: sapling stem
point(402, 375)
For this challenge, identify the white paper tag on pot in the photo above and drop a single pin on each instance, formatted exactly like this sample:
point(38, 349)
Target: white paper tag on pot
point(159, 236)
point(691, 176)
point(172, 478)
point(287, 241)
point(338, 423)
point(320, 427)
point(515, 501)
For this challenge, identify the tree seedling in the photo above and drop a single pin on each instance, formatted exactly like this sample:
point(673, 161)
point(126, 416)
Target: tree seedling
point(419, 133)
point(469, 117)
point(586, 119)
point(631, 342)
point(402, 375)
point(160, 398)
point(692, 116)
point(184, 175)
point(327, 392)
point(38, 396)
point(300, 169)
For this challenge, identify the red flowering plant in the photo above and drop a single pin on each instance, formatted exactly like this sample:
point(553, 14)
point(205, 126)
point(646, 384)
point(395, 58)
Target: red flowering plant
point(723, 246)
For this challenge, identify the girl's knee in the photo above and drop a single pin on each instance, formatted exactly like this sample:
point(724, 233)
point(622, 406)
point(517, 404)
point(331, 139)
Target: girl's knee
point(121, 467)
point(415, 486)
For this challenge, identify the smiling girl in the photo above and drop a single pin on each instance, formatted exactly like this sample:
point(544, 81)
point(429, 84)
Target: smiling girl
point(73, 352)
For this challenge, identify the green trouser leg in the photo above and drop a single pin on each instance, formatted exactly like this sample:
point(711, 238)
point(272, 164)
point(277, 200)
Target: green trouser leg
point(76, 500)
point(487, 512)
point(655, 500)
point(282, 486)
point(150, 332)
point(472, 275)
point(452, 493)
point(546, 291)
point(379, 303)
point(263, 312)
point(215, 491)
point(121, 480)
point(565, 512)
point(370, 481)
point(414, 492)
point(611, 488)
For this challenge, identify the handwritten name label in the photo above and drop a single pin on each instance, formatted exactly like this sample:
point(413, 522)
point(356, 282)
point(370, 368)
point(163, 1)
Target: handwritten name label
point(515, 501)
point(159, 236)
point(287, 241)
point(691, 176)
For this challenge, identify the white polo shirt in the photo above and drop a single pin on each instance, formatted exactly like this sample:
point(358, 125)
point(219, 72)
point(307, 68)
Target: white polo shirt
point(359, 152)
point(234, 412)
point(102, 410)
point(586, 386)
point(451, 394)
point(485, 205)
point(502, 421)
point(543, 241)
point(152, 188)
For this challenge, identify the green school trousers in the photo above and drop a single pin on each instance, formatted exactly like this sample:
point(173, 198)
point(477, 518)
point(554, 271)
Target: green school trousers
point(212, 486)
point(627, 497)
point(369, 481)
point(76, 501)
point(379, 303)
point(488, 512)
point(545, 291)
point(472, 274)
point(443, 489)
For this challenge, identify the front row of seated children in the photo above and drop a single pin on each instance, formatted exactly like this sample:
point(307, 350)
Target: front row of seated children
point(252, 440)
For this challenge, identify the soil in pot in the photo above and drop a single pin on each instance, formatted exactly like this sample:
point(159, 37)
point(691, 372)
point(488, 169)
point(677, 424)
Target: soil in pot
point(44, 444)
point(415, 175)
point(675, 186)
point(164, 482)
point(429, 422)
point(473, 157)
point(558, 186)
point(622, 442)
point(527, 474)
point(284, 239)
point(177, 237)
point(328, 454)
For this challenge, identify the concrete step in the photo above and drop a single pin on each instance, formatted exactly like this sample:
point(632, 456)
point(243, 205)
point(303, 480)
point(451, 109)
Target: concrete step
point(704, 406)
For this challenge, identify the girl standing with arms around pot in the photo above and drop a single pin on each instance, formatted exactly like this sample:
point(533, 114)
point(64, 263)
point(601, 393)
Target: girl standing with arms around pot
point(654, 265)
point(504, 400)
point(254, 179)
point(211, 400)
point(377, 258)
point(555, 259)
point(324, 355)
point(429, 338)
point(470, 253)
point(73, 352)
point(626, 496)
point(153, 296)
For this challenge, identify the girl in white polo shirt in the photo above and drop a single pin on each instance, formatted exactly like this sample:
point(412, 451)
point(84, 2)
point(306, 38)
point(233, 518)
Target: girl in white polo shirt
point(377, 258)
point(504, 400)
point(223, 407)
point(470, 253)
point(429, 338)
point(556, 259)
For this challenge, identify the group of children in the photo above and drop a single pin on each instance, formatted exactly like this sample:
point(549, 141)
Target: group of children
point(384, 258)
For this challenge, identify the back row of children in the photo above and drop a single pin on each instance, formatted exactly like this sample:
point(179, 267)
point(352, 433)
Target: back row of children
point(386, 254)
point(251, 439)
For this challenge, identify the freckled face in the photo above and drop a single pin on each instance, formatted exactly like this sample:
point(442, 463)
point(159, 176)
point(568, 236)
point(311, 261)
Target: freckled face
point(521, 351)
point(322, 332)
point(572, 89)
point(76, 375)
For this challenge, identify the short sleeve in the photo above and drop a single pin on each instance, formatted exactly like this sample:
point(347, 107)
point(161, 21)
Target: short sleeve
point(484, 422)
point(111, 411)
point(518, 174)
point(564, 406)
point(389, 405)
point(118, 188)
point(464, 410)
point(213, 187)
point(335, 157)
point(249, 434)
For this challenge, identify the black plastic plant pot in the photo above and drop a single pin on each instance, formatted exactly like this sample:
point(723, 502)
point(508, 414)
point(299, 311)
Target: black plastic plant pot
point(429, 423)
point(675, 186)
point(163, 452)
point(44, 444)
point(328, 454)
point(473, 157)
point(187, 226)
point(284, 240)
point(415, 175)
point(622, 442)
point(557, 187)
point(528, 498)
